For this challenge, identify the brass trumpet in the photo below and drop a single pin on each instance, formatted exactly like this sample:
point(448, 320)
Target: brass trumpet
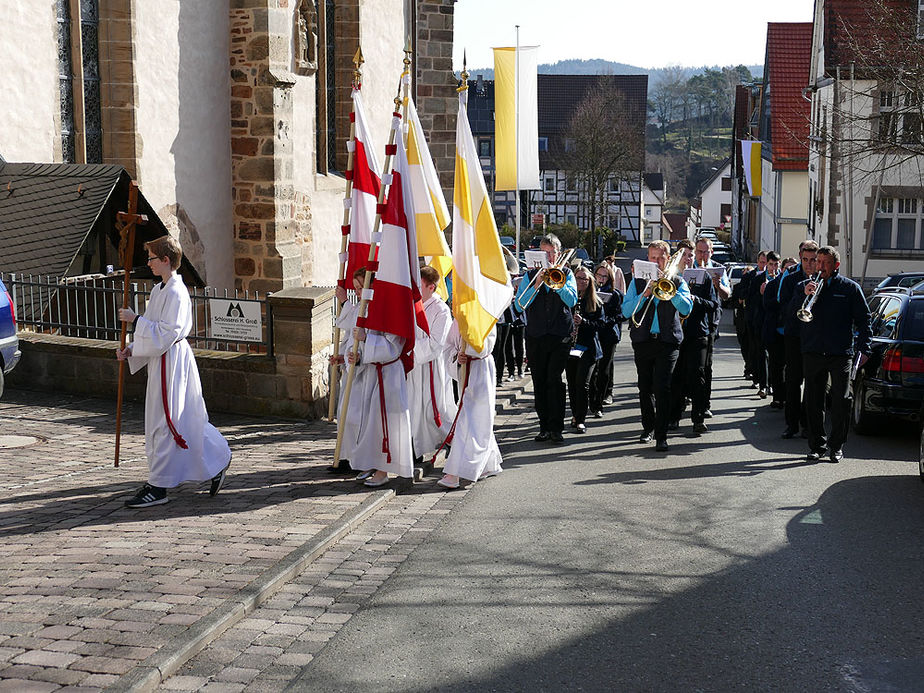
point(556, 277)
point(805, 312)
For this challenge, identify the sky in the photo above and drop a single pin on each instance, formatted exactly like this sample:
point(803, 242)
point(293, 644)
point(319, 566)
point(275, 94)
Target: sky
point(656, 33)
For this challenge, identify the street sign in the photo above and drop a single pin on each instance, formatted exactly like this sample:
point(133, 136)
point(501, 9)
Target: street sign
point(538, 221)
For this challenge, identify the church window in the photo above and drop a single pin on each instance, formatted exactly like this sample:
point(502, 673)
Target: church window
point(78, 80)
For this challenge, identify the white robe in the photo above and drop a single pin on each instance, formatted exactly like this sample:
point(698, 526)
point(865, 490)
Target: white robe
point(428, 358)
point(346, 321)
point(163, 329)
point(474, 449)
point(361, 441)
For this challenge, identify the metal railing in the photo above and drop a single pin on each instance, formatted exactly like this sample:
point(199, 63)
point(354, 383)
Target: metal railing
point(88, 307)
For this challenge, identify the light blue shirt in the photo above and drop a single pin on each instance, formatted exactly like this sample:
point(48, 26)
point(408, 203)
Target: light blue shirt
point(527, 291)
point(682, 301)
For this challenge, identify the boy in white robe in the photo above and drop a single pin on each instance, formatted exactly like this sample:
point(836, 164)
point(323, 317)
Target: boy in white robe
point(346, 321)
point(180, 443)
point(474, 454)
point(430, 391)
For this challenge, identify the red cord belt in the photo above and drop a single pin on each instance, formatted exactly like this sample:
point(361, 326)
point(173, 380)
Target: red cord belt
point(378, 372)
point(177, 438)
point(452, 429)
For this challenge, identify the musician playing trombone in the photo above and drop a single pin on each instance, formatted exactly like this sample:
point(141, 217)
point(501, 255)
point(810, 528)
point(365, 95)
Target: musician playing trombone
point(829, 349)
point(656, 334)
point(549, 323)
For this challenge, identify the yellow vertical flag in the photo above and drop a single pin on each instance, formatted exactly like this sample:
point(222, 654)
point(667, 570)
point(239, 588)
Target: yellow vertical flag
point(430, 210)
point(750, 161)
point(516, 118)
point(481, 288)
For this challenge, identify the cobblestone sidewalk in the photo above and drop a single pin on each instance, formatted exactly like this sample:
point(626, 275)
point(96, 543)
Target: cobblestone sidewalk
point(90, 590)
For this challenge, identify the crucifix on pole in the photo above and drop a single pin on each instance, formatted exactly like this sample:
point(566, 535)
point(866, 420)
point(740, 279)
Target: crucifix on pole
point(126, 223)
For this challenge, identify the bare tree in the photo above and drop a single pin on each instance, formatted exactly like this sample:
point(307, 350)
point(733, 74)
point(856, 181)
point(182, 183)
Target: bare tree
point(607, 144)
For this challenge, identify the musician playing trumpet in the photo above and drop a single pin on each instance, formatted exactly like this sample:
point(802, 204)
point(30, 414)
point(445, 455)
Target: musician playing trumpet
point(828, 351)
point(549, 324)
point(656, 334)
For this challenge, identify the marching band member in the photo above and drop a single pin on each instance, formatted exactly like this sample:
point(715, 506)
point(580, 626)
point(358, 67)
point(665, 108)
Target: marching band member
point(792, 344)
point(601, 385)
point(772, 334)
point(431, 402)
point(180, 443)
point(548, 339)
point(755, 349)
point(586, 350)
point(689, 379)
point(828, 348)
point(703, 255)
point(474, 453)
point(656, 334)
point(755, 309)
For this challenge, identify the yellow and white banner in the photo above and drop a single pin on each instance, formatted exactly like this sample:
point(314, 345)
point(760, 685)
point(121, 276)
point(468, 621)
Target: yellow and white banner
point(750, 162)
point(516, 118)
point(431, 214)
point(481, 287)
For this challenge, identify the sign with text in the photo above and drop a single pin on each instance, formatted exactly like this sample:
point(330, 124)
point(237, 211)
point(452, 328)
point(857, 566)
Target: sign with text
point(235, 319)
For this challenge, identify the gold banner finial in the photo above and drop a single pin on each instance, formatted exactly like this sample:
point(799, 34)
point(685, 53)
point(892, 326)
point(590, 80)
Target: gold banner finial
point(358, 61)
point(464, 85)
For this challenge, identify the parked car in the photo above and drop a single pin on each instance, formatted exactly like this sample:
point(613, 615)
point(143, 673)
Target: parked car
point(509, 242)
point(706, 233)
point(900, 279)
point(891, 383)
point(735, 272)
point(724, 257)
point(9, 342)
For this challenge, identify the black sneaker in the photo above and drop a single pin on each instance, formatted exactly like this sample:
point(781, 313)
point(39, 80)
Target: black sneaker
point(815, 455)
point(557, 437)
point(836, 455)
point(147, 495)
point(542, 437)
point(219, 480)
point(645, 437)
point(707, 414)
point(700, 427)
point(662, 446)
point(790, 433)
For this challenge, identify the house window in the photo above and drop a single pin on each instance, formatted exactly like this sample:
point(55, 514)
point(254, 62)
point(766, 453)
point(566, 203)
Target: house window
point(724, 213)
point(898, 224)
point(550, 184)
point(614, 185)
point(543, 144)
point(888, 123)
point(726, 184)
point(568, 144)
point(921, 19)
point(571, 183)
point(78, 82)
point(613, 222)
point(572, 219)
point(484, 147)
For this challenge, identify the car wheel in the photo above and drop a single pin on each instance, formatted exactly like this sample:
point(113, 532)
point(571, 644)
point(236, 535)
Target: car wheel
point(863, 422)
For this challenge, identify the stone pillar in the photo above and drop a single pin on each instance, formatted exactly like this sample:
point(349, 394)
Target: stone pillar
point(119, 97)
point(437, 100)
point(267, 252)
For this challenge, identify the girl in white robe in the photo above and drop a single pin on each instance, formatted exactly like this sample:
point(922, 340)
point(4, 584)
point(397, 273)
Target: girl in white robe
point(346, 321)
point(474, 453)
point(369, 445)
point(180, 443)
point(429, 387)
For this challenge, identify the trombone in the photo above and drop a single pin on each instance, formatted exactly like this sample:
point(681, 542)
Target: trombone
point(805, 312)
point(664, 288)
point(555, 276)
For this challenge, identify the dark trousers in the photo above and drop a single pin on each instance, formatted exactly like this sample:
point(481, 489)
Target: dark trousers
point(707, 372)
point(601, 384)
point(500, 348)
point(776, 359)
point(654, 362)
point(579, 372)
point(818, 369)
point(513, 355)
point(547, 357)
point(795, 405)
point(757, 359)
point(689, 380)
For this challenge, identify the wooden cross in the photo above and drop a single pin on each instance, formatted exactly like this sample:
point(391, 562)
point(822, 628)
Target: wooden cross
point(126, 223)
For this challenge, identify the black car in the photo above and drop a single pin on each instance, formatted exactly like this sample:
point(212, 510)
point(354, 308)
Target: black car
point(904, 280)
point(891, 384)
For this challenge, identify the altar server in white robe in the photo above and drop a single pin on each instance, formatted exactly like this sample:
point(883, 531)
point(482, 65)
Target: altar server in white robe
point(474, 453)
point(346, 321)
point(375, 448)
point(429, 387)
point(180, 443)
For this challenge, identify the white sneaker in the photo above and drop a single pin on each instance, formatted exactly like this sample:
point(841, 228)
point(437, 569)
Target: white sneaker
point(362, 476)
point(449, 481)
point(373, 482)
point(487, 475)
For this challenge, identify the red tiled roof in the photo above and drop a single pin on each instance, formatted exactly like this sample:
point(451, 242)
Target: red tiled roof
point(843, 18)
point(789, 53)
point(676, 224)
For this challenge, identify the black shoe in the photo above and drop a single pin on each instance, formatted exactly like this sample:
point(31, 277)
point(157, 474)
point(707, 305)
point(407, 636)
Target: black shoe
point(219, 480)
point(542, 437)
point(342, 467)
point(707, 414)
point(836, 455)
point(645, 437)
point(776, 404)
point(815, 455)
point(557, 437)
point(700, 427)
point(597, 414)
point(673, 425)
point(148, 495)
point(608, 399)
point(789, 433)
point(662, 446)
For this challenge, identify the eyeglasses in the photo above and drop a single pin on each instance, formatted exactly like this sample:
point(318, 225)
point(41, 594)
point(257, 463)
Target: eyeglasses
point(602, 276)
point(153, 258)
point(582, 279)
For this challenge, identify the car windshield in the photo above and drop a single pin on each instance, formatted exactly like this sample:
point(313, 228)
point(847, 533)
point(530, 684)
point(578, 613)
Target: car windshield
point(914, 321)
point(737, 272)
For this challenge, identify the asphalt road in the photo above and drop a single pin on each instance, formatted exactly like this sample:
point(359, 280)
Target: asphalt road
point(728, 564)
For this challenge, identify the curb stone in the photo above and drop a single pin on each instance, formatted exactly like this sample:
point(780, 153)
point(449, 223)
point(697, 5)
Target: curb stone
point(150, 673)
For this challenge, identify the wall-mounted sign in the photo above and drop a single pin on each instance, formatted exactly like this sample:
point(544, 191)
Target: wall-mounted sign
point(235, 319)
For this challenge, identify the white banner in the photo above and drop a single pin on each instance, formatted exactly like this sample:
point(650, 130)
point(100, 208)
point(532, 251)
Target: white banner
point(235, 319)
